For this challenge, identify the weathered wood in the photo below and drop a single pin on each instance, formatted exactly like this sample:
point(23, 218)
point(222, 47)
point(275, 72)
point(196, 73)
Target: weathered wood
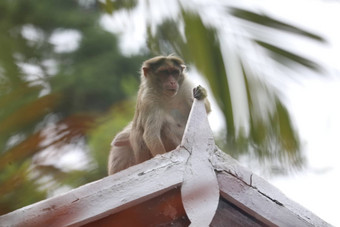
point(200, 190)
point(101, 198)
point(257, 197)
point(228, 214)
point(164, 210)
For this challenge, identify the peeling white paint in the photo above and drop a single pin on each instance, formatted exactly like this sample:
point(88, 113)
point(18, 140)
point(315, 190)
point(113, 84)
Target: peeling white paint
point(200, 190)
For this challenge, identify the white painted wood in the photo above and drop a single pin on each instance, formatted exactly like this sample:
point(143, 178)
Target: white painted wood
point(278, 197)
point(257, 197)
point(106, 196)
point(200, 190)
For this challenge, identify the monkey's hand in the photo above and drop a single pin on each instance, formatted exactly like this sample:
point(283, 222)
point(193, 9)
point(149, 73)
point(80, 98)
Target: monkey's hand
point(200, 92)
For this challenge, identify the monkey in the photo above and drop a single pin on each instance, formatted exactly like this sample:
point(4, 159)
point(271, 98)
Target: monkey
point(164, 101)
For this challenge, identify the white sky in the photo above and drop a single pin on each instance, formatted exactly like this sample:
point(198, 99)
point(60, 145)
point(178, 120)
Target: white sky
point(315, 107)
point(313, 102)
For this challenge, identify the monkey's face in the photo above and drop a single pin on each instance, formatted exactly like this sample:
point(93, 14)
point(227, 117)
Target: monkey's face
point(164, 75)
point(170, 78)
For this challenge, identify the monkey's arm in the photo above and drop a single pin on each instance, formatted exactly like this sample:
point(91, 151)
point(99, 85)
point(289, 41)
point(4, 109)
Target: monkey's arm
point(152, 133)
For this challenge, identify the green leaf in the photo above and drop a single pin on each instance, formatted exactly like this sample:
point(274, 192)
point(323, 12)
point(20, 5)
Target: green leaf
point(271, 22)
point(285, 56)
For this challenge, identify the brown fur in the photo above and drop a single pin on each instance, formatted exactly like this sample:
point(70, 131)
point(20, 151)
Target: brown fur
point(162, 109)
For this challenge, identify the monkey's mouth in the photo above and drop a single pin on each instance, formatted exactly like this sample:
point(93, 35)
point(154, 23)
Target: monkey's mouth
point(171, 91)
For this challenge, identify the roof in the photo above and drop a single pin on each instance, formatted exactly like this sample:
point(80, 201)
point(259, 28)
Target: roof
point(196, 183)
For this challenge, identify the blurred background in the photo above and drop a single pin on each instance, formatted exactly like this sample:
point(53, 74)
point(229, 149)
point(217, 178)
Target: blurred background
point(69, 74)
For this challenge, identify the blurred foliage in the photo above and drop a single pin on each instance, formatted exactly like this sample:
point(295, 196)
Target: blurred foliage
point(54, 101)
point(217, 49)
point(262, 19)
point(110, 6)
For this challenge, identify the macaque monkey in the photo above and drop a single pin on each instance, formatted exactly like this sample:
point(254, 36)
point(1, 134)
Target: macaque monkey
point(164, 101)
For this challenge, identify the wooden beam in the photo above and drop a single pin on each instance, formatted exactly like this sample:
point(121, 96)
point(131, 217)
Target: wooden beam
point(106, 196)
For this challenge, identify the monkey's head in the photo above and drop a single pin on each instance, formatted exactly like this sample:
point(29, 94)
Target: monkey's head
point(164, 74)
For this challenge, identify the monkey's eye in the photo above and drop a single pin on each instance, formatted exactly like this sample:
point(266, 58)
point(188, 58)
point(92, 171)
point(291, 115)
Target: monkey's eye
point(175, 73)
point(165, 73)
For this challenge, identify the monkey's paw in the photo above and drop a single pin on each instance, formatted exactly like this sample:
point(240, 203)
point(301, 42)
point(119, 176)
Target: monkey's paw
point(200, 92)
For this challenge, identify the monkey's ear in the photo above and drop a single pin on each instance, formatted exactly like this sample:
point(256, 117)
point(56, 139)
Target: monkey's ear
point(145, 71)
point(183, 67)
